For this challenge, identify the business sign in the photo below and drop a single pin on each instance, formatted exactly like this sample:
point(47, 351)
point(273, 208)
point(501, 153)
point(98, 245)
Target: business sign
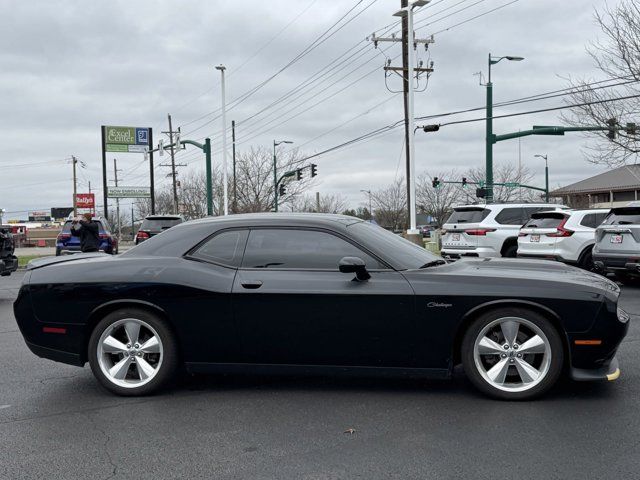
point(39, 217)
point(126, 139)
point(61, 212)
point(85, 200)
point(128, 192)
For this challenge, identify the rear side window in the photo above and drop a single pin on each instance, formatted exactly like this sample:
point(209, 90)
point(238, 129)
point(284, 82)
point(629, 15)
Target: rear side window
point(546, 221)
point(225, 248)
point(593, 220)
point(623, 216)
point(511, 216)
point(468, 215)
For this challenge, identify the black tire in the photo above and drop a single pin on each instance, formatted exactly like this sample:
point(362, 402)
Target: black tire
point(58, 252)
point(627, 279)
point(165, 372)
point(511, 251)
point(586, 260)
point(554, 343)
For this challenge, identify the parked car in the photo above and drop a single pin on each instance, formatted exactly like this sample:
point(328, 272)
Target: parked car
point(487, 230)
point(564, 235)
point(155, 224)
point(8, 261)
point(317, 293)
point(426, 230)
point(617, 247)
point(67, 243)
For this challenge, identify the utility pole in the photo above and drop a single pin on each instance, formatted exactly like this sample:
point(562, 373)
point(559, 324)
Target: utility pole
point(74, 161)
point(173, 167)
point(408, 70)
point(235, 185)
point(115, 180)
point(224, 142)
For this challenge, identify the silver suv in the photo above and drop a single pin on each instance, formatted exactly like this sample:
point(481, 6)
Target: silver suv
point(487, 230)
point(617, 248)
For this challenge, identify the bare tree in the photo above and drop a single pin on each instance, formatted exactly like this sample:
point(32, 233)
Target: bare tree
point(439, 202)
point(507, 173)
point(390, 205)
point(617, 55)
point(328, 203)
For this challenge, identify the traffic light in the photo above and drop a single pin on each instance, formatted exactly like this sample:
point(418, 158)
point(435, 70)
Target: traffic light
point(612, 128)
point(283, 189)
point(631, 129)
point(435, 182)
point(481, 192)
point(314, 170)
point(299, 174)
point(431, 128)
point(464, 182)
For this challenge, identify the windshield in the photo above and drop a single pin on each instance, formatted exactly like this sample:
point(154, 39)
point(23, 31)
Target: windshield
point(159, 223)
point(623, 216)
point(400, 252)
point(468, 215)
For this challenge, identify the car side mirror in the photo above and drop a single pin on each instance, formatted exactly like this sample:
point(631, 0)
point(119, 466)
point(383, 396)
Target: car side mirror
point(354, 265)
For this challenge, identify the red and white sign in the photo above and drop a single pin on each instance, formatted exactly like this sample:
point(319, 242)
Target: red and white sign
point(85, 200)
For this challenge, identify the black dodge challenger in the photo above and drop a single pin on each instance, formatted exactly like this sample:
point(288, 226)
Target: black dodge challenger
point(317, 293)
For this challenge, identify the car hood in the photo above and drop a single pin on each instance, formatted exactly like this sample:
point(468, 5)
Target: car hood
point(528, 272)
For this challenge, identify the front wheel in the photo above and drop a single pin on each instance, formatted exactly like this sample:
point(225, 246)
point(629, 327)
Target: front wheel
point(132, 352)
point(512, 354)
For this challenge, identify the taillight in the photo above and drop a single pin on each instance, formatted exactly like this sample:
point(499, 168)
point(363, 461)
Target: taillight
point(479, 231)
point(142, 235)
point(522, 234)
point(64, 236)
point(104, 236)
point(561, 231)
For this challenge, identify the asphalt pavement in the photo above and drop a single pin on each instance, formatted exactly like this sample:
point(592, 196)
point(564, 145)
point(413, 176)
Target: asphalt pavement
point(57, 423)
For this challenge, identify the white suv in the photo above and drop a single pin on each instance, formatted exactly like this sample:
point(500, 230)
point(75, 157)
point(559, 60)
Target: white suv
point(566, 236)
point(487, 230)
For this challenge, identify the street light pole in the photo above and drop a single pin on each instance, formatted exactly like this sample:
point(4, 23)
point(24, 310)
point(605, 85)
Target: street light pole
point(368, 192)
point(224, 142)
point(546, 176)
point(489, 126)
point(275, 173)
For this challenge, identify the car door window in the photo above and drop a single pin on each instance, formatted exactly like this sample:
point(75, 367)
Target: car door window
point(224, 248)
point(300, 249)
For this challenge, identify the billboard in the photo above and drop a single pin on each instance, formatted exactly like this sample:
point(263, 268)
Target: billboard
point(61, 212)
point(126, 139)
point(39, 217)
point(85, 200)
point(128, 192)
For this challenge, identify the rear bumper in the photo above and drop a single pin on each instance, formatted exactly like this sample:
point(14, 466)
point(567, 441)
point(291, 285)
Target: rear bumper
point(557, 258)
point(617, 264)
point(610, 373)
point(55, 355)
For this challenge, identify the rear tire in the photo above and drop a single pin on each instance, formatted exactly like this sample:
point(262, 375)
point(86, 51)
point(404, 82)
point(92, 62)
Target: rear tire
point(58, 252)
point(133, 352)
point(586, 261)
point(511, 251)
point(512, 354)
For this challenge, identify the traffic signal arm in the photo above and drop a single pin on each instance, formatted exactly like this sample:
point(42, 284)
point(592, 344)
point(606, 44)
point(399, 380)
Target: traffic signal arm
point(544, 130)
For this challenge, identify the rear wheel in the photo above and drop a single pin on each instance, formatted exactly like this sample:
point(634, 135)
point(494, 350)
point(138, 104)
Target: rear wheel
point(511, 251)
point(132, 352)
point(58, 251)
point(512, 354)
point(586, 261)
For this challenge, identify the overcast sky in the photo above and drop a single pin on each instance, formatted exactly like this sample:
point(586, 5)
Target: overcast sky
point(69, 67)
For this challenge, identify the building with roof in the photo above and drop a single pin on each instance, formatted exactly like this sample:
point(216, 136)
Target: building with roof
point(614, 188)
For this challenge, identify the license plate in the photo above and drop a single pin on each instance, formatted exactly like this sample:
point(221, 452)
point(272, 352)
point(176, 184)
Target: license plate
point(616, 239)
point(455, 237)
point(534, 238)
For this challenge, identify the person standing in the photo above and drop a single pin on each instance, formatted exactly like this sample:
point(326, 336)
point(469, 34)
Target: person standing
point(88, 231)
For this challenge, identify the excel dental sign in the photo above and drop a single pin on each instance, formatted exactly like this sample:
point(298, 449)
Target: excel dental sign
point(126, 139)
point(128, 192)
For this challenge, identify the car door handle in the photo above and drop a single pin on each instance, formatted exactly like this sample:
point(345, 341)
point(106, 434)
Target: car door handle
point(251, 284)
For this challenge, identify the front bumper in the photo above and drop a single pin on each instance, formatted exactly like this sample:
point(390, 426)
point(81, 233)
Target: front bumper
point(609, 372)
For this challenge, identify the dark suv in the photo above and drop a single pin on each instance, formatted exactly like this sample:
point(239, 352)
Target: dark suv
point(617, 248)
point(8, 261)
point(67, 243)
point(155, 224)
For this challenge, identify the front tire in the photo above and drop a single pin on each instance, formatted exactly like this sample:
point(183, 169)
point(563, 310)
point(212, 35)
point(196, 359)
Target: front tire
point(512, 354)
point(132, 352)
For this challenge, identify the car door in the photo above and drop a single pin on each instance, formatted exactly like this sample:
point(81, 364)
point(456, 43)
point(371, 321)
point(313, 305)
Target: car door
point(293, 306)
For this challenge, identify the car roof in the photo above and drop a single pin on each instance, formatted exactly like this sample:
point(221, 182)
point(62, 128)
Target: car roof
point(164, 217)
point(271, 218)
point(507, 205)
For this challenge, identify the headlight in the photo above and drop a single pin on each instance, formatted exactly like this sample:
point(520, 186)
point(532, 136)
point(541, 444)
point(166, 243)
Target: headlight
point(623, 316)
